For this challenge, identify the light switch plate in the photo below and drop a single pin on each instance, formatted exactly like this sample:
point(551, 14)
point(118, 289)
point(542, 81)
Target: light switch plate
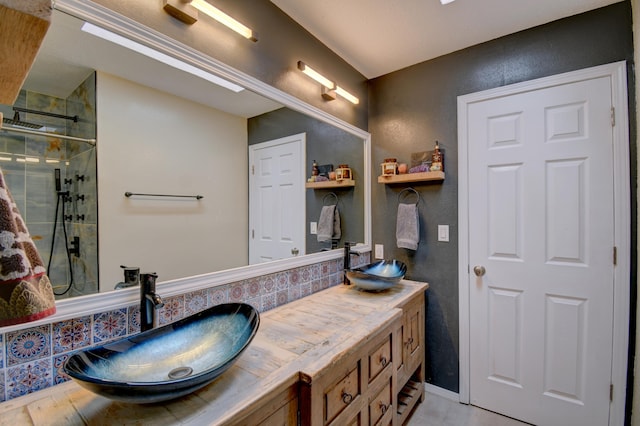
point(443, 233)
point(313, 228)
point(379, 251)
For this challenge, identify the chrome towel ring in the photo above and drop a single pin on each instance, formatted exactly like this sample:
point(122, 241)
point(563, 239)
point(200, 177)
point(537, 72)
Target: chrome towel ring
point(409, 190)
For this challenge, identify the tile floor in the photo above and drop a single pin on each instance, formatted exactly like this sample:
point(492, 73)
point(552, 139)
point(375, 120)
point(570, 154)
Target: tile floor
point(436, 410)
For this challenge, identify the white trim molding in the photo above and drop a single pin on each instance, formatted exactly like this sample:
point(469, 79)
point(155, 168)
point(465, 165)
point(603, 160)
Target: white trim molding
point(445, 393)
point(617, 72)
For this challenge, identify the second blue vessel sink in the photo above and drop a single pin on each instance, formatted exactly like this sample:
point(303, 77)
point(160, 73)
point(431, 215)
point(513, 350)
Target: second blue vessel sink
point(378, 276)
point(170, 361)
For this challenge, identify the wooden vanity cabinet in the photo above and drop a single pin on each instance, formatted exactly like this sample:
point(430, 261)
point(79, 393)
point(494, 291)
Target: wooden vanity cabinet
point(410, 353)
point(280, 410)
point(356, 388)
point(338, 357)
point(378, 382)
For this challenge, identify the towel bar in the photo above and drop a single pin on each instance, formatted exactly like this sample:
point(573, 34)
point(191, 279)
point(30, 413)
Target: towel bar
point(197, 197)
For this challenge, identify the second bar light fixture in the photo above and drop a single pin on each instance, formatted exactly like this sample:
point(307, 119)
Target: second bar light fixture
point(329, 87)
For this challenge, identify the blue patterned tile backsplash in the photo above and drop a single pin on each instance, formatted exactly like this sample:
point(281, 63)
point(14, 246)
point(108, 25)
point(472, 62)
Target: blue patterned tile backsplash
point(28, 345)
point(109, 325)
point(31, 359)
point(71, 335)
point(27, 378)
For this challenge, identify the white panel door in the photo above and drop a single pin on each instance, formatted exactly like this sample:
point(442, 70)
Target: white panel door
point(541, 225)
point(276, 199)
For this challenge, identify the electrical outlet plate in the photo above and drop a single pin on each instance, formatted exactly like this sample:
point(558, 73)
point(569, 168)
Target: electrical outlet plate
point(313, 228)
point(379, 251)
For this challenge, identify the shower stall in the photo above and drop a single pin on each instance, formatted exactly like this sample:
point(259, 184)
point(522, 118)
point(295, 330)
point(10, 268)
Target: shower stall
point(48, 157)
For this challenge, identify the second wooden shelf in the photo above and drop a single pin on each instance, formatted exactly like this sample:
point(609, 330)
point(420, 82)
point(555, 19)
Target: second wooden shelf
point(412, 177)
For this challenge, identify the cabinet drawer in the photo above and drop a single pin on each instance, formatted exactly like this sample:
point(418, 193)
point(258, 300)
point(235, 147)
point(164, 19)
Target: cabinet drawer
point(379, 359)
point(380, 405)
point(343, 393)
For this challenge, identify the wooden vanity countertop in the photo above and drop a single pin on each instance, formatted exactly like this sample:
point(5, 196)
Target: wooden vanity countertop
point(304, 335)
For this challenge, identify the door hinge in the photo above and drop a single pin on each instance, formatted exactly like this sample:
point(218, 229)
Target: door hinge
point(615, 255)
point(253, 234)
point(613, 116)
point(611, 392)
point(253, 169)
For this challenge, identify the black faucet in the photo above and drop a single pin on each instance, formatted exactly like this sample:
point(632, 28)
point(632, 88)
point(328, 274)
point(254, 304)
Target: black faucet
point(347, 260)
point(150, 302)
point(131, 277)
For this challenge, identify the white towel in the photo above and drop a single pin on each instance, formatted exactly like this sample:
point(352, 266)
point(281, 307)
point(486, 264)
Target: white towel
point(407, 226)
point(329, 224)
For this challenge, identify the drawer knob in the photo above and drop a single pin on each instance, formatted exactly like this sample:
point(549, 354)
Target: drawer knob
point(384, 361)
point(347, 397)
point(383, 407)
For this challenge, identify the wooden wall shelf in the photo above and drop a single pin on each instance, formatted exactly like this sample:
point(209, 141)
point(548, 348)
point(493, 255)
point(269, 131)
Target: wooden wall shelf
point(328, 184)
point(412, 177)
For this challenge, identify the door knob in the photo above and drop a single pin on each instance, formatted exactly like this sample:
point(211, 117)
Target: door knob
point(479, 270)
point(295, 251)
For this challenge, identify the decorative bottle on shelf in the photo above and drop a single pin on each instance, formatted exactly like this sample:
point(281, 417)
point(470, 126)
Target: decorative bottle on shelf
point(437, 159)
point(314, 169)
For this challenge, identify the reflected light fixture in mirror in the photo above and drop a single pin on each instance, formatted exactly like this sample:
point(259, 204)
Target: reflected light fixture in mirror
point(183, 10)
point(161, 57)
point(329, 88)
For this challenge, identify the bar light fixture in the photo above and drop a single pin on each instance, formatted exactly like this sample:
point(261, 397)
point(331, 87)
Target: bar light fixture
point(329, 88)
point(187, 11)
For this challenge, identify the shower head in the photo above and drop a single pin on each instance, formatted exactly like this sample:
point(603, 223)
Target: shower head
point(15, 121)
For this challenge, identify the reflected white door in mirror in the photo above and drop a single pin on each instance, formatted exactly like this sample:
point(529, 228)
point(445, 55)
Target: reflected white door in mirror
point(276, 197)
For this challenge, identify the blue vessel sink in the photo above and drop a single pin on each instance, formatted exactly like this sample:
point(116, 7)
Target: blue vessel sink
point(378, 276)
point(169, 361)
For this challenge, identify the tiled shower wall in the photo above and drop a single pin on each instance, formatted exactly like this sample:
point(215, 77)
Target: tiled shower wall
point(31, 359)
point(28, 163)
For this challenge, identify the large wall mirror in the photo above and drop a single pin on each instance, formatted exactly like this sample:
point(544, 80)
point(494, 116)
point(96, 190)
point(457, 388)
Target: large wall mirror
point(159, 131)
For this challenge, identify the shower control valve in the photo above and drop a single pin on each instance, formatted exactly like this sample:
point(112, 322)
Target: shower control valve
point(75, 247)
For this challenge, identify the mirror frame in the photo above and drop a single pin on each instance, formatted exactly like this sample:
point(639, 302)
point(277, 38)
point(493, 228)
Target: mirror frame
point(112, 21)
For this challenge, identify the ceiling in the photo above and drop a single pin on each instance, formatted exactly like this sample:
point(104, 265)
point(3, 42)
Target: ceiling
point(381, 36)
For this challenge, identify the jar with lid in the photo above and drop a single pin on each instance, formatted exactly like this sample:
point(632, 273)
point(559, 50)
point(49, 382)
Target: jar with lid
point(389, 167)
point(343, 172)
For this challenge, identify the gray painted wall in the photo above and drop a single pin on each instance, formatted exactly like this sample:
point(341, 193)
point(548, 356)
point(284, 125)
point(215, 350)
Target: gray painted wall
point(412, 108)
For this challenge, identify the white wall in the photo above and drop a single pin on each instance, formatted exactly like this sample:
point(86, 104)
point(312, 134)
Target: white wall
point(153, 142)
